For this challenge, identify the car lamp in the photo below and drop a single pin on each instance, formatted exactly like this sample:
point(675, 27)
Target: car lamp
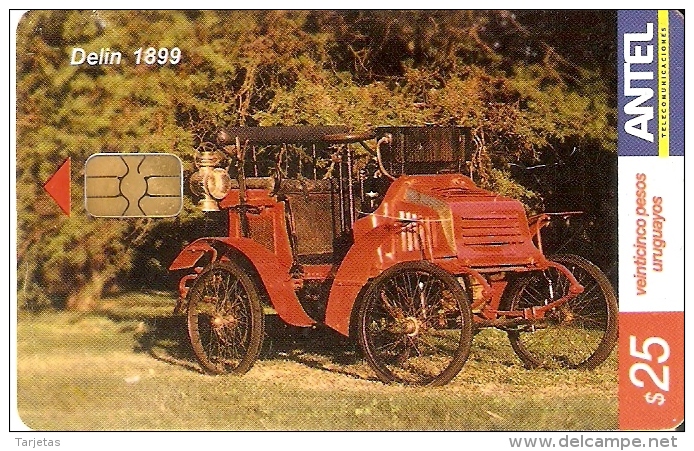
point(211, 181)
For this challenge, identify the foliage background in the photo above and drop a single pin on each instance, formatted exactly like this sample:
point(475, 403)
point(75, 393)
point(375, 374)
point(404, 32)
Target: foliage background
point(537, 87)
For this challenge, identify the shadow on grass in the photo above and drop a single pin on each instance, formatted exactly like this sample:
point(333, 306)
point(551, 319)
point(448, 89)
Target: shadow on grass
point(165, 338)
point(320, 348)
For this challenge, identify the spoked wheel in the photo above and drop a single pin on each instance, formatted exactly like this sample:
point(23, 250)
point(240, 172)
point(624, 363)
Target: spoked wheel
point(415, 325)
point(225, 319)
point(578, 334)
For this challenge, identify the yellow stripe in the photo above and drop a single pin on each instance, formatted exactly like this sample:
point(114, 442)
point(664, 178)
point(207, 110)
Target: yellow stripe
point(663, 85)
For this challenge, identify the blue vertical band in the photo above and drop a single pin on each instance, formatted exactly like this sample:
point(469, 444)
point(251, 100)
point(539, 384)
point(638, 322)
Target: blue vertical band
point(650, 103)
point(676, 84)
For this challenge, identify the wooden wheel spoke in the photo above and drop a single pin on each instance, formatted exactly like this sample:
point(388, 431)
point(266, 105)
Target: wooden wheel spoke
point(393, 311)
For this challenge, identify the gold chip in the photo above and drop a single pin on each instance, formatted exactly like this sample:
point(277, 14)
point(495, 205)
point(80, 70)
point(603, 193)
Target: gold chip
point(131, 185)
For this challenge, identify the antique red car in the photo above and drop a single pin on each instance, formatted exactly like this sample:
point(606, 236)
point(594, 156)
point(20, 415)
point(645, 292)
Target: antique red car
point(411, 266)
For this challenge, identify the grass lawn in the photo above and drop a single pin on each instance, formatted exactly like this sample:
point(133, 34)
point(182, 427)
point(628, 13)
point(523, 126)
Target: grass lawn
point(130, 367)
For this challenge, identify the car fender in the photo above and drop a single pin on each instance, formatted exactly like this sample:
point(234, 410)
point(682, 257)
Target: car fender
point(274, 276)
point(366, 259)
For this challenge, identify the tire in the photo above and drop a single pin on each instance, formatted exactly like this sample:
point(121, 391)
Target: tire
point(579, 334)
point(225, 319)
point(415, 325)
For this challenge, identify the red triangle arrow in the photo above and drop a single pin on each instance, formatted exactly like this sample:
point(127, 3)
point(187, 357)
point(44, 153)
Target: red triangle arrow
point(58, 186)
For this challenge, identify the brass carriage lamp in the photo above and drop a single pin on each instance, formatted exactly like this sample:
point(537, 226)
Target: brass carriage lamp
point(211, 181)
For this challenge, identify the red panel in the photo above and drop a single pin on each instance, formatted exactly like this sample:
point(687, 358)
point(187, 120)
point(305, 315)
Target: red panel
point(651, 370)
point(276, 279)
point(361, 262)
point(272, 211)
